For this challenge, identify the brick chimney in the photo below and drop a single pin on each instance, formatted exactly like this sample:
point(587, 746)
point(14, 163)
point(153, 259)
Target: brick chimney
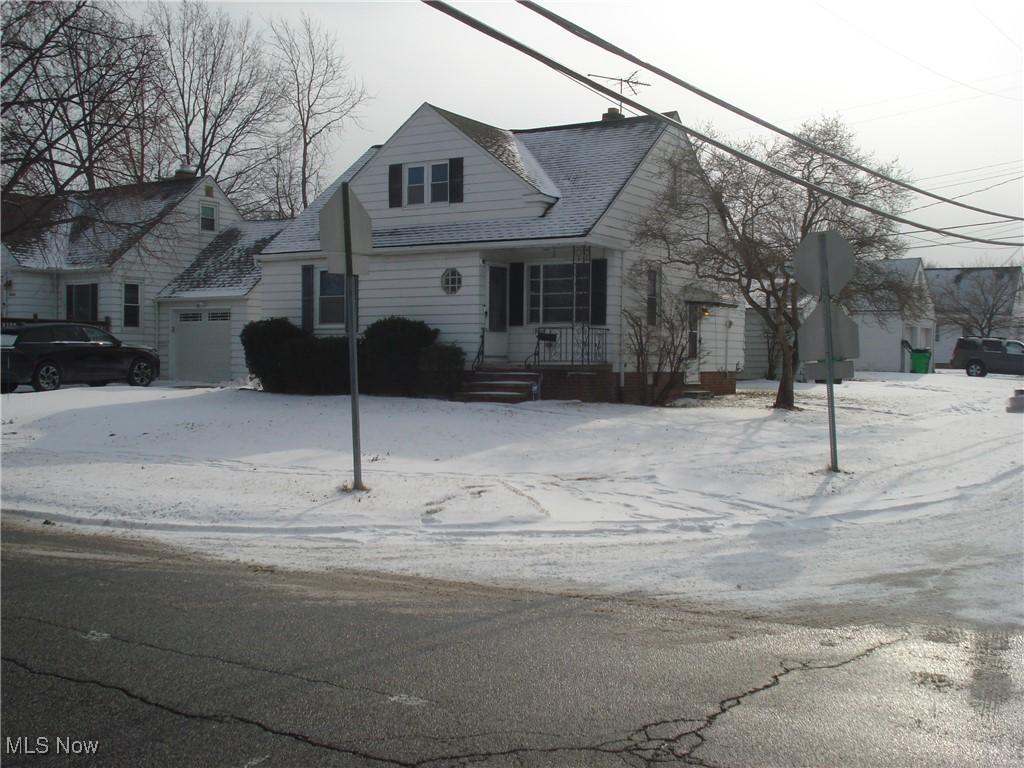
point(613, 113)
point(185, 172)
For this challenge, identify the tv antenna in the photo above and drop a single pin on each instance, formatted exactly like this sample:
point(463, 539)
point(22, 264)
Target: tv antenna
point(629, 81)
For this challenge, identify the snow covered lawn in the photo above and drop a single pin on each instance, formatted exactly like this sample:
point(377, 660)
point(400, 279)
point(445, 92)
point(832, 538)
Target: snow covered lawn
point(726, 502)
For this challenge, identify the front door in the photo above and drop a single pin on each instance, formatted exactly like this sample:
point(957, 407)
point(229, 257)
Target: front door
point(496, 339)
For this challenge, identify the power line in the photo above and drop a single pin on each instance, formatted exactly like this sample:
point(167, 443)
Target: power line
point(611, 48)
point(580, 78)
point(971, 170)
point(972, 192)
point(913, 60)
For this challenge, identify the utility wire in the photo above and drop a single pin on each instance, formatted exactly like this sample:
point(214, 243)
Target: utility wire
point(973, 192)
point(511, 42)
point(971, 170)
point(600, 42)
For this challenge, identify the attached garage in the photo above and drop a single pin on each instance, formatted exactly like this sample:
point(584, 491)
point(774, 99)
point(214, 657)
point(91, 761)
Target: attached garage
point(203, 311)
point(202, 345)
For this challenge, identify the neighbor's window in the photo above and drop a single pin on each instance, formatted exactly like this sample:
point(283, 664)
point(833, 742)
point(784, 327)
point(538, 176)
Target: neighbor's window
point(556, 290)
point(439, 183)
point(208, 218)
point(332, 298)
point(81, 302)
point(132, 316)
point(415, 176)
point(451, 281)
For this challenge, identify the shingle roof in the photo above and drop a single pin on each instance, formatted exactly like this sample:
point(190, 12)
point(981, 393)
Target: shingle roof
point(506, 147)
point(946, 281)
point(587, 165)
point(303, 234)
point(226, 266)
point(89, 230)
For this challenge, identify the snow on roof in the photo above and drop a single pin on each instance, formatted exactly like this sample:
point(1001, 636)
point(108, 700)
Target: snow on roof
point(88, 230)
point(303, 234)
point(506, 148)
point(226, 266)
point(946, 280)
point(586, 165)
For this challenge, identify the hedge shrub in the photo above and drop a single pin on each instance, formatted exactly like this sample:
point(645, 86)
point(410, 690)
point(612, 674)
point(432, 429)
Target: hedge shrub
point(392, 348)
point(263, 341)
point(396, 356)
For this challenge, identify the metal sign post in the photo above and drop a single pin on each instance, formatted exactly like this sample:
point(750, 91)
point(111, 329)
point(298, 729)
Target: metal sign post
point(829, 356)
point(345, 239)
point(823, 263)
point(352, 331)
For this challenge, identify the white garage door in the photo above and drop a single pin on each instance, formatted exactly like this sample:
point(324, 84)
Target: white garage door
point(202, 345)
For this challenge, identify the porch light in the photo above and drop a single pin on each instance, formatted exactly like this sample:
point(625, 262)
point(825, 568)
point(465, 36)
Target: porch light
point(706, 311)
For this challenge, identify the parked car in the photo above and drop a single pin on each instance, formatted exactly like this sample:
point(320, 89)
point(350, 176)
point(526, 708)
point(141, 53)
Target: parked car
point(47, 355)
point(979, 356)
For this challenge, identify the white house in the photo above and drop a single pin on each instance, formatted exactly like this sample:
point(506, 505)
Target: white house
point(976, 297)
point(513, 243)
point(134, 258)
point(884, 329)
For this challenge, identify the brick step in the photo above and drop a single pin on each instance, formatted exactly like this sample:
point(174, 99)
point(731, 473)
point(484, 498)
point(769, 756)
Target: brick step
point(500, 385)
point(484, 396)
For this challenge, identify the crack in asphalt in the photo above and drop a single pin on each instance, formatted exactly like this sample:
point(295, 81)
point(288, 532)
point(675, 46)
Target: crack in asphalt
point(211, 657)
point(657, 742)
point(213, 718)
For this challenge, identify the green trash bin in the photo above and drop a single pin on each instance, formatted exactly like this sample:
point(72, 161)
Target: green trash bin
point(920, 359)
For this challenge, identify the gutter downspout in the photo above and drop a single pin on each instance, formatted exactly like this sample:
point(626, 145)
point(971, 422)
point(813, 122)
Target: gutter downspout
point(622, 359)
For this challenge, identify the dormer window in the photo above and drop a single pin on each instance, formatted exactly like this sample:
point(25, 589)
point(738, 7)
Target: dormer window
point(408, 184)
point(439, 183)
point(415, 176)
point(208, 217)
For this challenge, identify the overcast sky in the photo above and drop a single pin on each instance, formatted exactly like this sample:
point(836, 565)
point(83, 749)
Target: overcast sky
point(934, 85)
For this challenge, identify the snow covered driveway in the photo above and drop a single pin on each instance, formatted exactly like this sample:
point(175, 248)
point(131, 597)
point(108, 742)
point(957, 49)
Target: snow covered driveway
point(729, 501)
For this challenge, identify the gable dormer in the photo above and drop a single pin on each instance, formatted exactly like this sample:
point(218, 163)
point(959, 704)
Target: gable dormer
point(441, 168)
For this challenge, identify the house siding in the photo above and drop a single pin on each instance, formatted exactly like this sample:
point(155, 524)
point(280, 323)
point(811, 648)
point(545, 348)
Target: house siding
point(408, 285)
point(31, 293)
point(490, 190)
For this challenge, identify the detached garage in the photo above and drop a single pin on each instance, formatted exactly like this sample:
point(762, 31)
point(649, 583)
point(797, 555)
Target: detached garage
point(204, 310)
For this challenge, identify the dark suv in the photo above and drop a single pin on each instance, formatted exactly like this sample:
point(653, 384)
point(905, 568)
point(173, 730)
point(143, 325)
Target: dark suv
point(47, 355)
point(978, 356)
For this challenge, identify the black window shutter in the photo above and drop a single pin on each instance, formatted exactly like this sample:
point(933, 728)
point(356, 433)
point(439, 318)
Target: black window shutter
point(515, 293)
point(455, 180)
point(395, 185)
point(307, 297)
point(69, 302)
point(599, 291)
point(94, 301)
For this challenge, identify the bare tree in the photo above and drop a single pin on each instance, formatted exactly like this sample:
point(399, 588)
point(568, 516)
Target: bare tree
point(977, 300)
point(738, 225)
point(320, 98)
point(69, 69)
point(224, 96)
point(657, 333)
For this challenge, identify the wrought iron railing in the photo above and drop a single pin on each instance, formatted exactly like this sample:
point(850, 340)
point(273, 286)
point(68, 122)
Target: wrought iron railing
point(479, 359)
point(579, 344)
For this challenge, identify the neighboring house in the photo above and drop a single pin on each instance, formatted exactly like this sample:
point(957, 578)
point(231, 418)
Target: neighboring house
point(883, 329)
point(109, 255)
point(971, 301)
point(514, 244)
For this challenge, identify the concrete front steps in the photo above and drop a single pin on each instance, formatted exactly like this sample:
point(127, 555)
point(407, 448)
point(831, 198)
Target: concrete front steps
point(499, 385)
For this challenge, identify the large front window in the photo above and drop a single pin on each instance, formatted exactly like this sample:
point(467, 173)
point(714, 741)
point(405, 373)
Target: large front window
point(559, 294)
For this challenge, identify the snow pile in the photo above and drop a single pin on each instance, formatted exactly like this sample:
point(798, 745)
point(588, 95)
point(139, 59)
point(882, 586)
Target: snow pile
point(730, 501)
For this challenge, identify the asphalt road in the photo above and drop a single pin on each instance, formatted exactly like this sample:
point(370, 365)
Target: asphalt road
point(145, 656)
